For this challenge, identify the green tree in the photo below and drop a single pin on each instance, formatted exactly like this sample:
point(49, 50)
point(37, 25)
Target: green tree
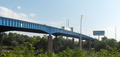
point(112, 43)
point(100, 45)
point(5, 39)
point(104, 42)
point(104, 39)
point(118, 45)
point(42, 43)
point(14, 43)
point(85, 44)
point(10, 38)
point(20, 38)
point(63, 43)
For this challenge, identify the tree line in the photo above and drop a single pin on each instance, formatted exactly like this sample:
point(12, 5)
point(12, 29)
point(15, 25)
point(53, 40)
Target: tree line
point(18, 40)
point(105, 43)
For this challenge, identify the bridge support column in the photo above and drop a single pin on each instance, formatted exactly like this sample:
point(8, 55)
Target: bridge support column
point(80, 43)
point(50, 44)
point(73, 43)
point(1, 42)
point(89, 44)
point(67, 38)
point(92, 45)
point(56, 45)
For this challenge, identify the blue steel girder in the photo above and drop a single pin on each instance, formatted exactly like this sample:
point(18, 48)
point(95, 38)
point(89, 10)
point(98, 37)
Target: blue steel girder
point(8, 24)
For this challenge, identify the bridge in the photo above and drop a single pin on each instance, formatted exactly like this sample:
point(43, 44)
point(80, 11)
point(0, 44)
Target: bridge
point(9, 24)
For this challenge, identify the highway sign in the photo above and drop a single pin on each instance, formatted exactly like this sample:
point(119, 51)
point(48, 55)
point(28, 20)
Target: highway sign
point(98, 32)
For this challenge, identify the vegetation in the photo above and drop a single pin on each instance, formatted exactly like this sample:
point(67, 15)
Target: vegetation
point(104, 42)
point(36, 46)
point(17, 40)
point(17, 52)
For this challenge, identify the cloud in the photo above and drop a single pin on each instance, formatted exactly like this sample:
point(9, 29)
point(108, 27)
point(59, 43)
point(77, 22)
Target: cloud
point(18, 7)
point(110, 32)
point(54, 23)
point(32, 14)
point(5, 12)
point(110, 29)
point(22, 14)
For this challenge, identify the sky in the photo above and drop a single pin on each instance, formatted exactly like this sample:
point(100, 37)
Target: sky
point(97, 14)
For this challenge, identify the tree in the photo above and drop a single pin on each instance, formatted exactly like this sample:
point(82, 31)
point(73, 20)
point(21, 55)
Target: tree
point(5, 39)
point(104, 39)
point(85, 44)
point(104, 42)
point(10, 38)
point(112, 43)
point(20, 38)
point(41, 44)
point(14, 43)
point(118, 45)
point(100, 45)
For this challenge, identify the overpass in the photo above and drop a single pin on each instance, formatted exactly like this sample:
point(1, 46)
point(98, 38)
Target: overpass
point(9, 24)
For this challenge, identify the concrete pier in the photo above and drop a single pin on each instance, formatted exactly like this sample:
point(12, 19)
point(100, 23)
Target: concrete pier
point(56, 45)
point(73, 43)
point(89, 44)
point(50, 44)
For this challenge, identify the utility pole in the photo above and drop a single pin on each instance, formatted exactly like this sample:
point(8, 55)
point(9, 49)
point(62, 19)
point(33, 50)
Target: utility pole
point(68, 22)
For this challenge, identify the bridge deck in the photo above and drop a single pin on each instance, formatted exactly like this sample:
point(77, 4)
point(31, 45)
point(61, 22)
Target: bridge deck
point(8, 24)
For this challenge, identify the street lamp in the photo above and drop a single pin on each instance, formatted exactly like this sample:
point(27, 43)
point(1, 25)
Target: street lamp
point(13, 10)
point(81, 26)
point(80, 40)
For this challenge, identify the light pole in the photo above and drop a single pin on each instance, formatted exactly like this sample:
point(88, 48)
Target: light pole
point(80, 40)
point(13, 10)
